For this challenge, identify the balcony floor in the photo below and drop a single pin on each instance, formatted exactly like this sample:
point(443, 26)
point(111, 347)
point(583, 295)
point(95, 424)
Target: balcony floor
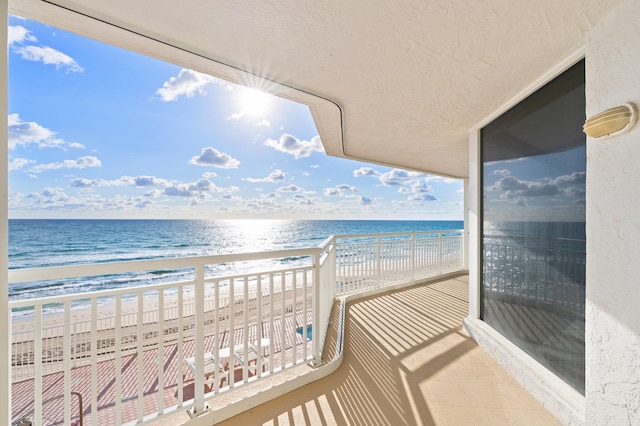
point(408, 361)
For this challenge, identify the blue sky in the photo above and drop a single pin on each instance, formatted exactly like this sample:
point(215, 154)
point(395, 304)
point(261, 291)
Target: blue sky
point(99, 132)
point(548, 188)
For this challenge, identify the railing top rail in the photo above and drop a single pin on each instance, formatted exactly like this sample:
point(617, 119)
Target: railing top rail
point(528, 238)
point(143, 288)
point(326, 243)
point(46, 300)
point(395, 234)
point(96, 269)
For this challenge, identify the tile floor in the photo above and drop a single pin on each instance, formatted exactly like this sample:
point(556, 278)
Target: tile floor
point(408, 362)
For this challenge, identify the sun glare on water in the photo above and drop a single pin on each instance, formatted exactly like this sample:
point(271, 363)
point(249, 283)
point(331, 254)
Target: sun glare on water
point(258, 234)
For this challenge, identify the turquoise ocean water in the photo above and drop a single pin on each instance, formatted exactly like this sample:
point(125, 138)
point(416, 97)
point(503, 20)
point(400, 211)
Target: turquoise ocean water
point(48, 242)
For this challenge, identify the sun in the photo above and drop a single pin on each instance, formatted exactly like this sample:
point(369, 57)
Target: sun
point(253, 102)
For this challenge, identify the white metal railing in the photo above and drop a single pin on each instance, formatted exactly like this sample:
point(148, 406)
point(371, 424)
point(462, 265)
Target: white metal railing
point(136, 354)
point(541, 272)
point(365, 262)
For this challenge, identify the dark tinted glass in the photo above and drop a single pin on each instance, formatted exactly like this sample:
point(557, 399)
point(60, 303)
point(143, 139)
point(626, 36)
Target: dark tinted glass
point(533, 236)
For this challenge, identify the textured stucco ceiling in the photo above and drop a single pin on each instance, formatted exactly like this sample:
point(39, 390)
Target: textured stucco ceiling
point(410, 77)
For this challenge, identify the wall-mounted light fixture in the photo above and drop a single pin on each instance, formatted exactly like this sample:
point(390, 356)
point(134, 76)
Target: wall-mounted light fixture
point(611, 122)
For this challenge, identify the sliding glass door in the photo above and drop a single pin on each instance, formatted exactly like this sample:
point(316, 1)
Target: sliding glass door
point(533, 236)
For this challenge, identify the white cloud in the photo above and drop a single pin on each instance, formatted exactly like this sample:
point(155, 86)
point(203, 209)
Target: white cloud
point(315, 166)
point(143, 203)
point(575, 178)
point(419, 187)
point(213, 157)
point(19, 34)
point(274, 176)
point(80, 163)
point(153, 193)
point(565, 189)
point(365, 201)
point(515, 188)
point(304, 200)
point(423, 196)
point(51, 199)
point(178, 191)
point(294, 146)
point(137, 181)
point(203, 185)
point(503, 172)
point(209, 175)
point(264, 123)
point(57, 193)
point(366, 171)
point(49, 56)
point(289, 188)
point(88, 183)
point(196, 189)
point(22, 133)
point(19, 163)
point(145, 181)
point(187, 83)
point(397, 177)
point(339, 190)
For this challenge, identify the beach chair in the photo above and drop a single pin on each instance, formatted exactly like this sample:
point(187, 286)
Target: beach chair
point(210, 368)
point(255, 349)
point(245, 358)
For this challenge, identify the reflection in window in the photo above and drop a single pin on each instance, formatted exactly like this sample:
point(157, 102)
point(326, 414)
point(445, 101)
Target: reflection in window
point(533, 266)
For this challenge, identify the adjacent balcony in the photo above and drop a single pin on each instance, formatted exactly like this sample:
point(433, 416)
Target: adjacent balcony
point(180, 351)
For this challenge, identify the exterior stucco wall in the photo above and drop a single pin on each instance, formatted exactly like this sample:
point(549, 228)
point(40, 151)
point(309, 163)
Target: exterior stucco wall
point(613, 225)
point(612, 54)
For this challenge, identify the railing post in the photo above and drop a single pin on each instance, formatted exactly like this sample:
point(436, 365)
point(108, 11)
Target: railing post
point(439, 253)
point(37, 361)
point(378, 259)
point(413, 258)
point(198, 404)
point(66, 362)
point(316, 304)
point(333, 269)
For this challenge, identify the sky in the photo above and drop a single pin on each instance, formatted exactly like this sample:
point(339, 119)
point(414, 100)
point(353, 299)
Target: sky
point(100, 132)
point(541, 188)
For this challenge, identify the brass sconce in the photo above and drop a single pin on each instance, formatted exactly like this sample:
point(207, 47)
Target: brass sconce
point(611, 122)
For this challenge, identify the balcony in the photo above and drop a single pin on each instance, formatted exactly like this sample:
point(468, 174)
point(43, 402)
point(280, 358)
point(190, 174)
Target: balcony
point(155, 353)
point(408, 360)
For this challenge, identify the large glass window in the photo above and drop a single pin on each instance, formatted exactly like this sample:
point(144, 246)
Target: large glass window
point(533, 236)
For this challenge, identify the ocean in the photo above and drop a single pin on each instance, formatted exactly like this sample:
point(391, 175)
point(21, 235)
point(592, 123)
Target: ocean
point(58, 242)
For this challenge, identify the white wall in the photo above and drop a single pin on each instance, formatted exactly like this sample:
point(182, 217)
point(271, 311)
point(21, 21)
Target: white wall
point(612, 53)
point(613, 225)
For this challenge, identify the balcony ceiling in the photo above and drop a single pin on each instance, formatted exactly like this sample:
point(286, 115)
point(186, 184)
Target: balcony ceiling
point(408, 79)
